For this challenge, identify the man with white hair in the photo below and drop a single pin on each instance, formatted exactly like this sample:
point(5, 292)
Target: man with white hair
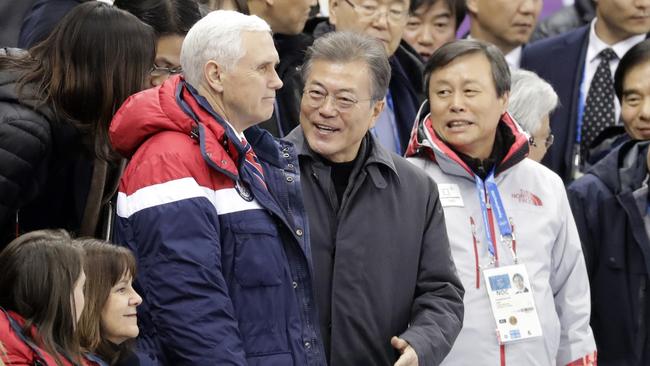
point(211, 206)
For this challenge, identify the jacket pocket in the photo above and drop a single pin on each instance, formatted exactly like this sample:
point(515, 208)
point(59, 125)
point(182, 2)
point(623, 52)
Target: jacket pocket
point(258, 254)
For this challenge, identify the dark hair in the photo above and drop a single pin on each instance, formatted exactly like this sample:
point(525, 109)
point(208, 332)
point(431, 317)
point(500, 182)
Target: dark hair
point(462, 47)
point(348, 47)
point(638, 54)
point(457, 8)
point(167, 17)
point(106, 264)
point(240, 5)
point(94, 59)
point(39, 271)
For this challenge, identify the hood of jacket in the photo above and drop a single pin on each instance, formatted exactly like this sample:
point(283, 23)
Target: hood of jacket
point(425, 142)
point(175, 106)
point(623, 169)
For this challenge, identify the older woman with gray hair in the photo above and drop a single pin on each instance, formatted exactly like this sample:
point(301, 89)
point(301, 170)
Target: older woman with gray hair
point(531, 102)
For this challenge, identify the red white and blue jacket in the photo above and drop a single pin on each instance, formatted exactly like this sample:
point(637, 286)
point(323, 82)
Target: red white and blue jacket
point(224, 265)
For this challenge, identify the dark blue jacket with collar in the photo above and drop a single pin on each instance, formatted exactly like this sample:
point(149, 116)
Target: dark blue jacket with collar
point(617, 252)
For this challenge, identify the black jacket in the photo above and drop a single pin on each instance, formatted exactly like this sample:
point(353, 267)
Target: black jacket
point(617, 252)
point(382, 262)
point(41, 20)
point(44, 168)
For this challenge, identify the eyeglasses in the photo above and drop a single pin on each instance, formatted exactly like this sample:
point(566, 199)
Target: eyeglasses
point(317, 98)
point(395, 12)
point(547, 142)
point(157, 71)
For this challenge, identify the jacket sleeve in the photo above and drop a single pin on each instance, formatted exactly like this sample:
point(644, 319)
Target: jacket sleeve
point(25, 143)
point(175, 233)
point(583, 194)
point(437, 310)
point(570, 286)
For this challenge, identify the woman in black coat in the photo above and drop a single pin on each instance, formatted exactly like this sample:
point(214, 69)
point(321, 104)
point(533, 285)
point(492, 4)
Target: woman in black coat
point(56, 103)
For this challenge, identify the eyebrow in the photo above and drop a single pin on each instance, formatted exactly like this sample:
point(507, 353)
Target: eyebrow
point(627, 92)
point(344, 90)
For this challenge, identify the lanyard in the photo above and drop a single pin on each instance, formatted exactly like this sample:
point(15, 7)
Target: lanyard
point(493, 201)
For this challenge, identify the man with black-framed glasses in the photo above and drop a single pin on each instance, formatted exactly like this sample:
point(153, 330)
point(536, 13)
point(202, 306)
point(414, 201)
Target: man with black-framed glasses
point(386, 20)
point(385, 285)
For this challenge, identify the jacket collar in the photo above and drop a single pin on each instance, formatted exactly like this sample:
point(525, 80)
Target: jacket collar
point(378, 157)
point(425, 142)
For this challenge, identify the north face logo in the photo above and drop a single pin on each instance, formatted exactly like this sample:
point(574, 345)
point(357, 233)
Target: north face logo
point(524, 196)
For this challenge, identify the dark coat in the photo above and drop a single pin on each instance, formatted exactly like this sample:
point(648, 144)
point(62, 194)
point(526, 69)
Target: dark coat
point(617, 252)
point(560, 61)
point(45, 170)
point(41, 20)
point(382, 262)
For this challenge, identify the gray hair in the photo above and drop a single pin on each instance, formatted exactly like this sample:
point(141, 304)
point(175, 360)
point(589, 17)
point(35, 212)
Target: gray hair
point(462, 47)
point(343, 47)
point(531, 99)
point(217, 37)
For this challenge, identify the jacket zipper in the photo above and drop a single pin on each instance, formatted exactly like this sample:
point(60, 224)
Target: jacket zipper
point(502, 347)
point(476, 264)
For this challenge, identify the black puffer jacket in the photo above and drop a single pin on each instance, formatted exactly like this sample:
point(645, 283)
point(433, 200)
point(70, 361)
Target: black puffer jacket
point(44, 169)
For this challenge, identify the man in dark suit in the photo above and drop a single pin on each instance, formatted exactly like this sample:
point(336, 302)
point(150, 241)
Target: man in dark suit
point(570, 63)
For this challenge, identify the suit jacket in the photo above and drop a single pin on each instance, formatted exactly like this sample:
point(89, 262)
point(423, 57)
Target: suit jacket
point(560, 61)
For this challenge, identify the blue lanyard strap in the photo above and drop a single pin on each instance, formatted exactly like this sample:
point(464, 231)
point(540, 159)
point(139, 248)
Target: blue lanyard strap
point(492, 201)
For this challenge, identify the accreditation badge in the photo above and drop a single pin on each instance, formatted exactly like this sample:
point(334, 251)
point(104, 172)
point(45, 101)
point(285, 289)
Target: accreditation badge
point(512, 302)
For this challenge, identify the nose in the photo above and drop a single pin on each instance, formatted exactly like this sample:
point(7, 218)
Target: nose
point(425, 38)
point(645, 109)
point(157, 80)
point(135, 300)
point(457, 103)
point(527, 6)
point(275, 83)
point(328, 108)
point(380, 18)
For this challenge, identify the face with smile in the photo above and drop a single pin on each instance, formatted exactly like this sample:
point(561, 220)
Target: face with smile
point(118, 318)
point(247, 90)
point(507, 24)
point(351, 15)
point(429, 27)
point(635, 104)
point(336, 111)
point(465, 108)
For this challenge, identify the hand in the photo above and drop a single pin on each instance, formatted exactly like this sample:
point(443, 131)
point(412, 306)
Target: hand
point(408, 357)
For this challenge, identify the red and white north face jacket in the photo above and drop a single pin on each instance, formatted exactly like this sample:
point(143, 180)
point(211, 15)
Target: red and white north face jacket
point(546, 242)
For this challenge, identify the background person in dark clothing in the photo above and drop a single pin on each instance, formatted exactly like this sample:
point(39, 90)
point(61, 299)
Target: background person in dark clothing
point(41, 20)
point(56, 103)
point(386, 292)
point(610, 205)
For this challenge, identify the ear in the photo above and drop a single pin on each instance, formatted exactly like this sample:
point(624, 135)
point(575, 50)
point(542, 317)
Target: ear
point(503, 102)
point(376, 111)
point(333, 7)
point(472, 6)
point(213, 74)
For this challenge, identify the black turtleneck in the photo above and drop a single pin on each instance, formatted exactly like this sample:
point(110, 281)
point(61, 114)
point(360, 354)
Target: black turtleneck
point(503, 140)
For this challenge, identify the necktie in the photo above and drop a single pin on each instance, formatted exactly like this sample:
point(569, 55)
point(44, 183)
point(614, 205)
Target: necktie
point(250, 160)
point(599, 107)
